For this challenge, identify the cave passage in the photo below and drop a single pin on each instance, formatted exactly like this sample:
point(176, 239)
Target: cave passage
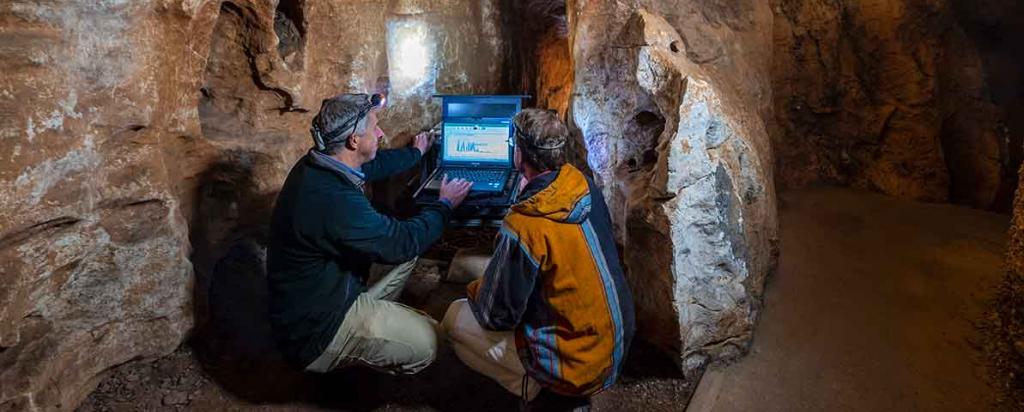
point(816, 205)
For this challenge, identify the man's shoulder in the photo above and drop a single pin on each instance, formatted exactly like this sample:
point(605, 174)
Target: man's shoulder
point(317, 179)
point(309, 188)
point(522, 225)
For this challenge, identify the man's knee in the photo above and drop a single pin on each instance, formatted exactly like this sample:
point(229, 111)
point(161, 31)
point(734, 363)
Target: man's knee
point(449, 324)
point(392, 337)
point(423, 346)
point(414, 341)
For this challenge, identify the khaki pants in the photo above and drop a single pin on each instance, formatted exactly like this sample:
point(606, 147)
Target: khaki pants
point(490, 353)
point(382, 334)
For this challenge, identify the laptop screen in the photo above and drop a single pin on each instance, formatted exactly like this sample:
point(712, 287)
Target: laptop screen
point(466, 142)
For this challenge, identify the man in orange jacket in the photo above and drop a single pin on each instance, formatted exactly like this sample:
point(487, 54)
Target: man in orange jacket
point(552, 309)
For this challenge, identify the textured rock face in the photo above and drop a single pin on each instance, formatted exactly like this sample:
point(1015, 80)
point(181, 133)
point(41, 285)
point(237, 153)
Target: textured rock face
point(893, 96)
point(140, 135)
point(1004, 323)
point(672, 110)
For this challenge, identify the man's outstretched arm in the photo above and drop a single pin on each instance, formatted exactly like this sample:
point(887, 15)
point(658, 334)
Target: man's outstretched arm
point(392, 161)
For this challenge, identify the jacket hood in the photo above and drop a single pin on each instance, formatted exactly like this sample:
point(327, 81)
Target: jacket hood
point(562, 197)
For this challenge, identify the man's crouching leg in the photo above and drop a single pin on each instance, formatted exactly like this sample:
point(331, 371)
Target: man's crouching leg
point(490, 353)
point(383, 335)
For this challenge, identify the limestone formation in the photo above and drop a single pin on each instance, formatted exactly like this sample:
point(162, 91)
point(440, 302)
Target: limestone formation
point(672, 114)
point(141, 139)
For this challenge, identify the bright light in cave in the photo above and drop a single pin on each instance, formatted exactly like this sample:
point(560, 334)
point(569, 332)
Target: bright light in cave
point(409, 55)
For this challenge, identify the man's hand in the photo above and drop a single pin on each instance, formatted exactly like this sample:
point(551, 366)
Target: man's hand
point(454, 191)
point(423, 141)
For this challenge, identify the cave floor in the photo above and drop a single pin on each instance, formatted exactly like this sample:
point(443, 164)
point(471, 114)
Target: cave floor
point(231, 365)
point(874, 308)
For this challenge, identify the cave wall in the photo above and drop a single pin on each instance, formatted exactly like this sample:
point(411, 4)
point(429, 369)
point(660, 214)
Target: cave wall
point(537, 59)
point(671, 98)
point(141, 139)
point(1003, 324)
point(896, 96)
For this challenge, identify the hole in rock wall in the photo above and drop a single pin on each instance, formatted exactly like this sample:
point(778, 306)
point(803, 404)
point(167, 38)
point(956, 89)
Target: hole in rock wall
point(674, 46)
point(644, 131)
point(289, 25)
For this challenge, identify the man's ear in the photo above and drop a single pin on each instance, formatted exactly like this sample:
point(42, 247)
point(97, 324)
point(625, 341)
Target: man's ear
point(351, 143)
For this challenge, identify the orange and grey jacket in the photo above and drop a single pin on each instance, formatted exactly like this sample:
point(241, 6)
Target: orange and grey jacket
point(555, 279)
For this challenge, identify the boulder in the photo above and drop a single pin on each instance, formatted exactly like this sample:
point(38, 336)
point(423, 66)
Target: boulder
point(468, 264)
point(672, 111)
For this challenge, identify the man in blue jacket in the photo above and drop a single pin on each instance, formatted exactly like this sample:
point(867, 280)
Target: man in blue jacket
point(324, 235)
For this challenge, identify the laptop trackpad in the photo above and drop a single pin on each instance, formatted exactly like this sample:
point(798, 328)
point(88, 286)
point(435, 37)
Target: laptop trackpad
point(487, 186)
point(497, 186)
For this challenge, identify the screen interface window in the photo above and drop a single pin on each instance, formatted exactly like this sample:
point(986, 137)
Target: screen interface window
point(475, 142)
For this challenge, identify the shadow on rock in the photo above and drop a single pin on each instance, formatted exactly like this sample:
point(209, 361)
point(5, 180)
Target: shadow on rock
point(647, 361)
point(236, 347)
point(232, 338)
point(238, 352)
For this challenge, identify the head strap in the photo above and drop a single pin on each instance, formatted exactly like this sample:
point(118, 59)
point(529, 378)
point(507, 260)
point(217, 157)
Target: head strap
point(528, 139)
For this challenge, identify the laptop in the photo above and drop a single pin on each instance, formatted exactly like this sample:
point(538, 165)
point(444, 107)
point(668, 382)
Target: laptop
point(475, 149)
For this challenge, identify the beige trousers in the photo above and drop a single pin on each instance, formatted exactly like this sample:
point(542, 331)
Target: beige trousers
point(382, 334)
point(490, 353)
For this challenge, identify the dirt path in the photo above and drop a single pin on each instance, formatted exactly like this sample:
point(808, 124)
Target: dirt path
point(872, 309)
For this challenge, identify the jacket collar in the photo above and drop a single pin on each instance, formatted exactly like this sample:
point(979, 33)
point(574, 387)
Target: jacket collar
point(537, 184)
point(561, 196)
point(356, 177)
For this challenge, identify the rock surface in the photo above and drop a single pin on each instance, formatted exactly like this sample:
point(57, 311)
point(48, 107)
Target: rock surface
point(897, 97)
point(672, 105)
point(141, 139)
point(1003, 325)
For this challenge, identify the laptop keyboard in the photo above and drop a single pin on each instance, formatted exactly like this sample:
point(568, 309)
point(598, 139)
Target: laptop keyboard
point(477, 175)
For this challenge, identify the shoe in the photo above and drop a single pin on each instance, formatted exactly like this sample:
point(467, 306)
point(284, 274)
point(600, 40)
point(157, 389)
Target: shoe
point(582, 408)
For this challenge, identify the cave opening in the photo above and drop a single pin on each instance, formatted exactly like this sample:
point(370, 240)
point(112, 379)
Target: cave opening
point(537, 55)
